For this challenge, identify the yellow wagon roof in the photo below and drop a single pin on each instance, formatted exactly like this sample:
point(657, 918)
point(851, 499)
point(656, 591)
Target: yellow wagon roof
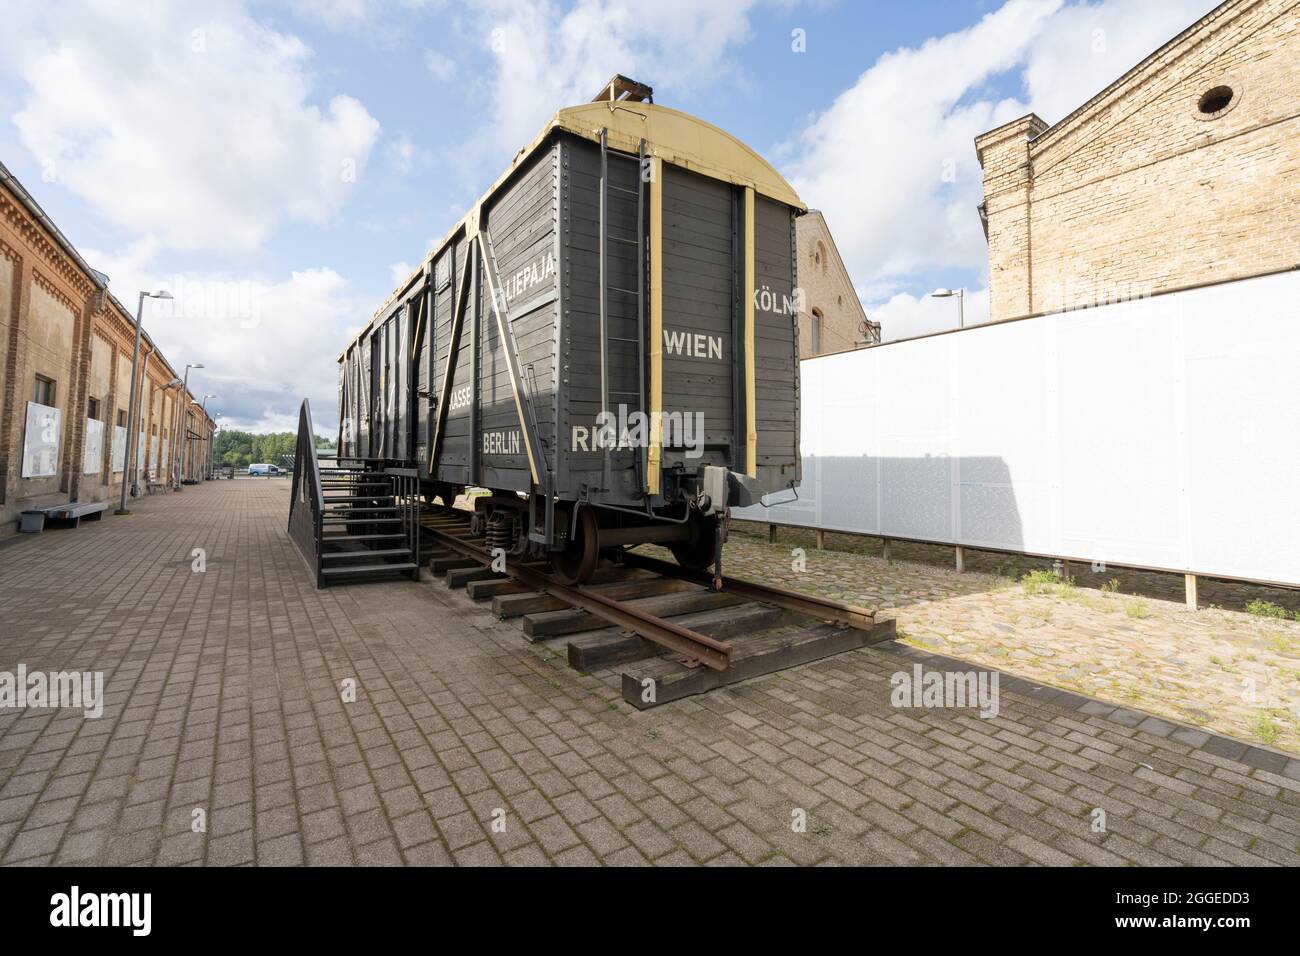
point(673, 136)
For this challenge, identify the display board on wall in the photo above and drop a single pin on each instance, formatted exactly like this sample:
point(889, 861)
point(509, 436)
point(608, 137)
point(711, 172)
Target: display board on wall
point(92, 456)
point(153, 457)
point(119, 448)
point(41, 441)
point(1156, 433)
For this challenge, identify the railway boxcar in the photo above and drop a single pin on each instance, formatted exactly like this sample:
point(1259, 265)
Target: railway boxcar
point(607, 342)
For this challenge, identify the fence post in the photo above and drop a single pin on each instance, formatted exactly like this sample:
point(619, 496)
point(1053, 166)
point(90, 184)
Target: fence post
point(821, 540)
point(961, 558)
point(885, 553)
point(771, 534)
point(1189, 586)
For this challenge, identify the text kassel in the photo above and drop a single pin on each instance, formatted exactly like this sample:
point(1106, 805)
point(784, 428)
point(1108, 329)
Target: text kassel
point(102, 909)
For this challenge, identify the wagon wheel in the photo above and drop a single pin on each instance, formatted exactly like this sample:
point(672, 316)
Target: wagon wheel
point(577, 562)
point(699, 552)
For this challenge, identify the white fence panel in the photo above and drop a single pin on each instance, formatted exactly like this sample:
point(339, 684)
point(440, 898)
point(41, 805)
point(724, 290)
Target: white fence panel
point(1162, 433)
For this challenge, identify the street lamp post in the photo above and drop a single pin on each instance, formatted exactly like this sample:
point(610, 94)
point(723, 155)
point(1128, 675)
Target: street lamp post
point(131, 404)
point(961, 302)
point(182, 430)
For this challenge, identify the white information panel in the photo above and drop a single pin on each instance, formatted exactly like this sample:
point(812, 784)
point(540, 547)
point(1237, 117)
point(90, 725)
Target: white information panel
point(92, 456)
point(1162, 432)
point(119, 448)
point(41, 441)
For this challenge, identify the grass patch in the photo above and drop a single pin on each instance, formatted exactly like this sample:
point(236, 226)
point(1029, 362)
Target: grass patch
point(1267, 609)
point(1265, 728)
point(1111, 586)
point(1136, 609)
point(1046, 582)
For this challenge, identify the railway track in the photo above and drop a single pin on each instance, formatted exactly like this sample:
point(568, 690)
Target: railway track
point(667, 629)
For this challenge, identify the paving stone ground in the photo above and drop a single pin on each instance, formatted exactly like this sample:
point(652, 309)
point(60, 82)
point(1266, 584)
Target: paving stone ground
point(1134, 643)
point(223, 695)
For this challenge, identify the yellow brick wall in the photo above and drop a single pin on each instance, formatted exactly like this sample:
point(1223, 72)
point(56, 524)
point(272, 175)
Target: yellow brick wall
point(6, 317)
point(49, 340)
point(827, 287)
point(1145, 194)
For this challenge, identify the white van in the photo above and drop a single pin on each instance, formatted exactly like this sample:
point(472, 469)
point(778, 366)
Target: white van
point(269, 471)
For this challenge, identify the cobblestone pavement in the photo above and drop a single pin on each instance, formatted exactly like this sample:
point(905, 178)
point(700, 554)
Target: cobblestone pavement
point(223, 695)
point(1133, 644)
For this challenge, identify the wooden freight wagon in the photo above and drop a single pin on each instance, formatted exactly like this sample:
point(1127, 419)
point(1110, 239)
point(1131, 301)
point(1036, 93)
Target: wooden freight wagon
point(607, 341)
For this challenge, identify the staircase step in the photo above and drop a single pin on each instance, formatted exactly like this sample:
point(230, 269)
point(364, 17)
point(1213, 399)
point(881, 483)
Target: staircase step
point(341, 498)
point(361, 537)
point(378, 509)
point(388, 553)
point(358, 569)
point(343, 519)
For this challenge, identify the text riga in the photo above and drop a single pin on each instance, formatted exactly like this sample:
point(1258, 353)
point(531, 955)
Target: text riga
point(23, 688)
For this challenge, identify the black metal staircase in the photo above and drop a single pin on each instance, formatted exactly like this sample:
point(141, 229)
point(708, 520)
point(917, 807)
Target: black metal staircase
point(355, 520)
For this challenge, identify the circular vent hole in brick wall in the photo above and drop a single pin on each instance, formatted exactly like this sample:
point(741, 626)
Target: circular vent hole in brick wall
point(1216, 100)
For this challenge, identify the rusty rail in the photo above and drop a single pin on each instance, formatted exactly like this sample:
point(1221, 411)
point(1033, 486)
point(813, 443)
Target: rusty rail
point(691, 644)
point(843, 615)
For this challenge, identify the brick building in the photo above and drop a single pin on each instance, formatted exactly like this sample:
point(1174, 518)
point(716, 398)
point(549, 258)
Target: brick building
point(832, 319)
point(65, 373)
point(1184, 171)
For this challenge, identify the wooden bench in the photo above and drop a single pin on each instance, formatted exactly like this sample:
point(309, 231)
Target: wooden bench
point(32, 520)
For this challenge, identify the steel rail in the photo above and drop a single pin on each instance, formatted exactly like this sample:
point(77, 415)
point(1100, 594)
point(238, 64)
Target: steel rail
point(843, 615)
point(711, 653)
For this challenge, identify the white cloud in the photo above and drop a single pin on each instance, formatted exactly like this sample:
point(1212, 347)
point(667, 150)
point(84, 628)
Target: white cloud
point(893, 158)
point(345, 14)
point(905, 316)
point(200, 129)
point(266, 343)
point(441, 67)
point(398, 272)
point(546, 57)
point(402, 154)
point(1086, 47)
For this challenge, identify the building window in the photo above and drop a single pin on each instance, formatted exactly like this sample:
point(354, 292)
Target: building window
point(1216, 100)
point(121, 418)
point(1219, 99)
point(816, 331)
point(92, 409)
point(43, 393)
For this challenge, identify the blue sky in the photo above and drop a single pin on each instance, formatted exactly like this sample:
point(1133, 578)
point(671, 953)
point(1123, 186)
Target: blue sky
point(276, 164)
